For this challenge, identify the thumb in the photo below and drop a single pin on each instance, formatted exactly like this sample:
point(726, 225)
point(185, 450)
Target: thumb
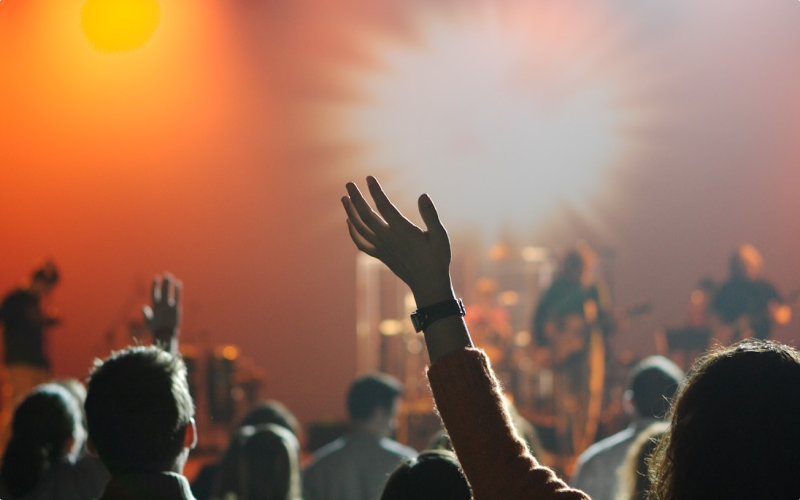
point(431, 219)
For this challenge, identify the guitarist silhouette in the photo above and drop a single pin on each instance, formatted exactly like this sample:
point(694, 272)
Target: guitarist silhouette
point(747, 305)
point(571, 325)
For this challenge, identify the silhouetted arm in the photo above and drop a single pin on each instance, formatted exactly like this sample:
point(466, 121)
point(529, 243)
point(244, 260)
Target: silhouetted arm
point(469, 400)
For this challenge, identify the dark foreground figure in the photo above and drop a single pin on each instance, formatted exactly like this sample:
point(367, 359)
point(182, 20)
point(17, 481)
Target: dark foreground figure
point(139, 412)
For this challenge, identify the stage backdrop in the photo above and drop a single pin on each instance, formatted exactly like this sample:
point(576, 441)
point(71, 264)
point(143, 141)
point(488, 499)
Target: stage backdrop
point(214, 138)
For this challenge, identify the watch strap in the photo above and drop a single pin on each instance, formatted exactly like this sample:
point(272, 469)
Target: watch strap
point(422, 318)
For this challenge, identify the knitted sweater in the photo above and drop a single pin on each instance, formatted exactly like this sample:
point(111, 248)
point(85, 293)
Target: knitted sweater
point(494, 458)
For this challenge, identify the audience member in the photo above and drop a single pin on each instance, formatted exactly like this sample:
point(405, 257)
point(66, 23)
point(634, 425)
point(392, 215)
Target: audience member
point(141, 424)
point(633, 481)
point(217, 479)
point(356, 466)
point(650, 387)
point(734, 431)
point(433, 475)
point(140, 413)
point(39, 462)
point(263, 465)
point(273, 412)
point(86, 465)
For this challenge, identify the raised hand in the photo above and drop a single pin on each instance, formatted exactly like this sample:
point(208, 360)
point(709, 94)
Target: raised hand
point(421, 258)
point(164, 317)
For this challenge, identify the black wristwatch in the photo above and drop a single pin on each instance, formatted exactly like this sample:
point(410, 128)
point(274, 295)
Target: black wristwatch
point(422, 318)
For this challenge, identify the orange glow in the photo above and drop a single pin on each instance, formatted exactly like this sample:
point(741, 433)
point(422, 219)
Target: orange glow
point(509, 298)
point(498, 252)
point(782, 314)
point(390, 327)
point(119, 25)
point(92, 144)
point(230, 352)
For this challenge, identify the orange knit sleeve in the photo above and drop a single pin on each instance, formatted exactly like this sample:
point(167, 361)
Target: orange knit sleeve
point(494, 458)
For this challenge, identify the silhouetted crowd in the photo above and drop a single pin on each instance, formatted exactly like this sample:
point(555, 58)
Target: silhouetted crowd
point(728, 430)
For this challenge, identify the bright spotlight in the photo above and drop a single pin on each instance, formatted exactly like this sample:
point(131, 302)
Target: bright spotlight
point(119, 25)
point(504, 111)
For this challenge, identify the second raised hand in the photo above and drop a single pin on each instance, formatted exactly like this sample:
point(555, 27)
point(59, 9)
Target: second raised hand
point(164, 317)
point(421, 258)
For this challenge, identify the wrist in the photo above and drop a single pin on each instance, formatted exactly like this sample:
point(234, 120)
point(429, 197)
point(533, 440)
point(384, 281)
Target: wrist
point(165, 332)
point(433, 292)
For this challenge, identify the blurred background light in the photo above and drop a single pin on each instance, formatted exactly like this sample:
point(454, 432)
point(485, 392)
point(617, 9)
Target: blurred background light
point(119, 25)
point(505, 109)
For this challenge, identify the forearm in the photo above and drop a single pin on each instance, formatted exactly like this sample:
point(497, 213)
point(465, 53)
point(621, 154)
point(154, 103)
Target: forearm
point(494, 458)
point(446, 336)
point(471, 405)
point(421, 258)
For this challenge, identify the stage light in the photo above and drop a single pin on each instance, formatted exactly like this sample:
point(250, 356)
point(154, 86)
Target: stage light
point(414, 346)
point(535, 254)
point(508, 298)
point(506, 110)
point(498, 252)
point(230, 352)
point(390, 327)
point(522, 339)
point(113, 26)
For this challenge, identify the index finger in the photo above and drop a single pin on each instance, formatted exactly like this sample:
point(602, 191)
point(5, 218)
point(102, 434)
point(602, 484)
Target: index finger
point(368, 216)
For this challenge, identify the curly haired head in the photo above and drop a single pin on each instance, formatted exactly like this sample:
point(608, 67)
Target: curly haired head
point(735, 430)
